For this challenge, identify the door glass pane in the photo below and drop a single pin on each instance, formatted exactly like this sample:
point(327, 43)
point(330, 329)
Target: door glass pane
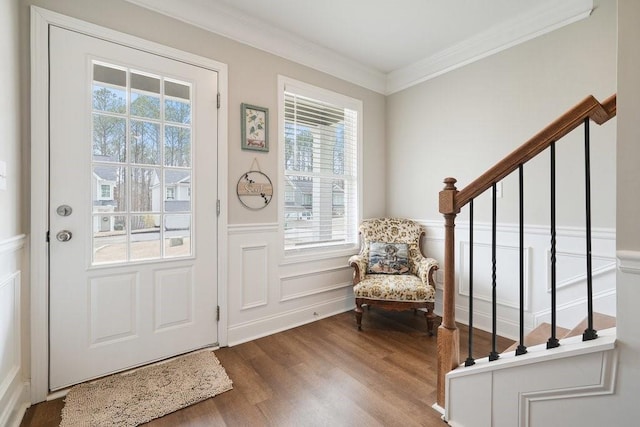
point(145, 142)
point(109, 239)
point(145, 185)
point(144, 105)
point(109, 189)
point(177, 191)
point(177, 236)
point(145, 237)
point(177, 146)
point(109, 138)
point(109, 99)
point(177, 111)
point(141, 165)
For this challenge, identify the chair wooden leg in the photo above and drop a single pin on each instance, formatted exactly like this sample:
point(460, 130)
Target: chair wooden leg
point(359, 314)
point(430, 320)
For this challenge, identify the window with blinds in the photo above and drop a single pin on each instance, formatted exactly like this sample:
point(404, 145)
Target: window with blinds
point(320, 162)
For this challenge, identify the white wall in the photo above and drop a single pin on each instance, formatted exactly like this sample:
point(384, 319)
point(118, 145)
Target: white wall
point(463, 122)
point(14, 370)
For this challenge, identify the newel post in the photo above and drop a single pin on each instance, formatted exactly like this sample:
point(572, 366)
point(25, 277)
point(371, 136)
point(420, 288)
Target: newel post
point(448, 335)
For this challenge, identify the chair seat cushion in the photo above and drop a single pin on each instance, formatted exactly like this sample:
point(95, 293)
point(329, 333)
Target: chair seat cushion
point(394, 288)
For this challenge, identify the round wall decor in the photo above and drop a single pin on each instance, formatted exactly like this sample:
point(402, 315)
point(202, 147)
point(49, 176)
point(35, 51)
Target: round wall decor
point(254, 190)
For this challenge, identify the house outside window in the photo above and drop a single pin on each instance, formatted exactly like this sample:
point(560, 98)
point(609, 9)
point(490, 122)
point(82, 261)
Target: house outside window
point(320, 142)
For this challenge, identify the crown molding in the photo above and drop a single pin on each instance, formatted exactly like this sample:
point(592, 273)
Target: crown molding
point(230, 23)
point(548, 17)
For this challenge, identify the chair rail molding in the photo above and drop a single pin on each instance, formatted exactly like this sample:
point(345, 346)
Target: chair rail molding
point(629, 261)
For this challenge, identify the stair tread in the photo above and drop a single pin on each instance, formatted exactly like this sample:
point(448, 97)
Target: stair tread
point(542, 332)
point(539, 335)
point(600, 322)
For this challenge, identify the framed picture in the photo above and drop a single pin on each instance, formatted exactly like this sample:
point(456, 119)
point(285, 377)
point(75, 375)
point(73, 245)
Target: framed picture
point(255, 127)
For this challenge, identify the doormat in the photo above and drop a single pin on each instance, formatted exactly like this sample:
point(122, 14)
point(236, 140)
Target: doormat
point(136, 397)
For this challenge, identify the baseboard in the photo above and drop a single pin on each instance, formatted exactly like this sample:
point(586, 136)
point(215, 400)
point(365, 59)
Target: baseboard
point(507, 328)
point(279, 322)
point(11, 415)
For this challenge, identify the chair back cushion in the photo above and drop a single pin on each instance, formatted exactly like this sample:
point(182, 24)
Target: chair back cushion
point(393, 230)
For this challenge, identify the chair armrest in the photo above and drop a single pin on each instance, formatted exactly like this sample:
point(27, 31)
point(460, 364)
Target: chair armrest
point(426, 270)
point(359, 265)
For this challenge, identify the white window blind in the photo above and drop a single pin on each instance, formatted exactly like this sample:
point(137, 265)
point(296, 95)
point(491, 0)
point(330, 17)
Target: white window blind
point(320, 169)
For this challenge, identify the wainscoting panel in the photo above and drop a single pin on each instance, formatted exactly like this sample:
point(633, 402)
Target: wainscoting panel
point(571, 276)
point(14, 390)
point(507, 282)
point(255, 274)
point(268, 294)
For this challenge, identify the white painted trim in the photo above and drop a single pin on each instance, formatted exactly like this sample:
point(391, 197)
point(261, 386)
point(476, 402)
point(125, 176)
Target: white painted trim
point(282, 321)
point(228, 22)
point(463, 288)
point(600, 233)
point(41, 19)
point(573, 346)
point(253, 228)
point(542, 314)
point(12, 244)
point(509, 328)
point(316, 291)
point(548, 17)
point(628, 261)
point(323, 252)
point(12, 414)
point(606, 386)
point(264, 301)
point(579, 277)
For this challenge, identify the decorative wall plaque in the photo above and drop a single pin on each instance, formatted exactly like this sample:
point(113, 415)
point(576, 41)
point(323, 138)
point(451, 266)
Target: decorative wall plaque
point(254, 190)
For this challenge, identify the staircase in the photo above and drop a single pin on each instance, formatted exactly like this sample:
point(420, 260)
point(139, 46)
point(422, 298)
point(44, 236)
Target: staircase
point(523, 385)
point(542, 332)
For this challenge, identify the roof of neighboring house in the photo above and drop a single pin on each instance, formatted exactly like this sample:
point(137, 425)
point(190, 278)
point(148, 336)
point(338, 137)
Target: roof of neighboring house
point(176, 176)
point(106, 173)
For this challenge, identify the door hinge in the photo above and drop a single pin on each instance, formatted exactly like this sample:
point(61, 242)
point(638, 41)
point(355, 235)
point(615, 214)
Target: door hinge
point(217, 313)
point(47, 236)
point(218, 207)
point(218, 100)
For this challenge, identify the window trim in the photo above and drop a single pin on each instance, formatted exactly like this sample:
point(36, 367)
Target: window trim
point(315, 92)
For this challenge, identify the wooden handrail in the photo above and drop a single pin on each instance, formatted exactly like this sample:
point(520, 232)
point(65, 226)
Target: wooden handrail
point(589, 107)
point(452, 200)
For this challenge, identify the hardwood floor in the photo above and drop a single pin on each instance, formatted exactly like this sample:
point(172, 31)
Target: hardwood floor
point(325, 373)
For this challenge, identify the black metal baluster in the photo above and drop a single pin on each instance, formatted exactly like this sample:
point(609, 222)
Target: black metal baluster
point(522, 349)
point(494, 354)
point(589, 333)
point(470, 361)
point(553, 341)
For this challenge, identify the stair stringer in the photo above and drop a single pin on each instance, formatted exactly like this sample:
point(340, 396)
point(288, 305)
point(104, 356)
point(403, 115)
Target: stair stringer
point(509, 392)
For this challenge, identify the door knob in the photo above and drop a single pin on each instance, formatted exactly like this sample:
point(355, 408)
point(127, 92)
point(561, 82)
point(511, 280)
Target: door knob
point(64, 235)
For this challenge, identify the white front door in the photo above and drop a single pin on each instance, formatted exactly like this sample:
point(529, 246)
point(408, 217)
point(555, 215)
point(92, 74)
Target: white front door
point(132, 207)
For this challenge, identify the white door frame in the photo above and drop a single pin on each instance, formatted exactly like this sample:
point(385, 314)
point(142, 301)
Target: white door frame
point(41, 19)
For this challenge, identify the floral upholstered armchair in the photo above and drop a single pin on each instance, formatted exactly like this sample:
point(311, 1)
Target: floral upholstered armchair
point(390, 271)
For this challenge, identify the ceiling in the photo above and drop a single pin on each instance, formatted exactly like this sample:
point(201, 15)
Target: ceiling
point(384, 45)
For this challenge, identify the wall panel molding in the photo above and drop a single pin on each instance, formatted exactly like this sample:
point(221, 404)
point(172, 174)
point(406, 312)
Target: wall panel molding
point(255, 275)
point(607, 264)
point(14, 390)
point(629, 261)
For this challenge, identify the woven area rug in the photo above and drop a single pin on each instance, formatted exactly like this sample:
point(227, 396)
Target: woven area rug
point(136, 397)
